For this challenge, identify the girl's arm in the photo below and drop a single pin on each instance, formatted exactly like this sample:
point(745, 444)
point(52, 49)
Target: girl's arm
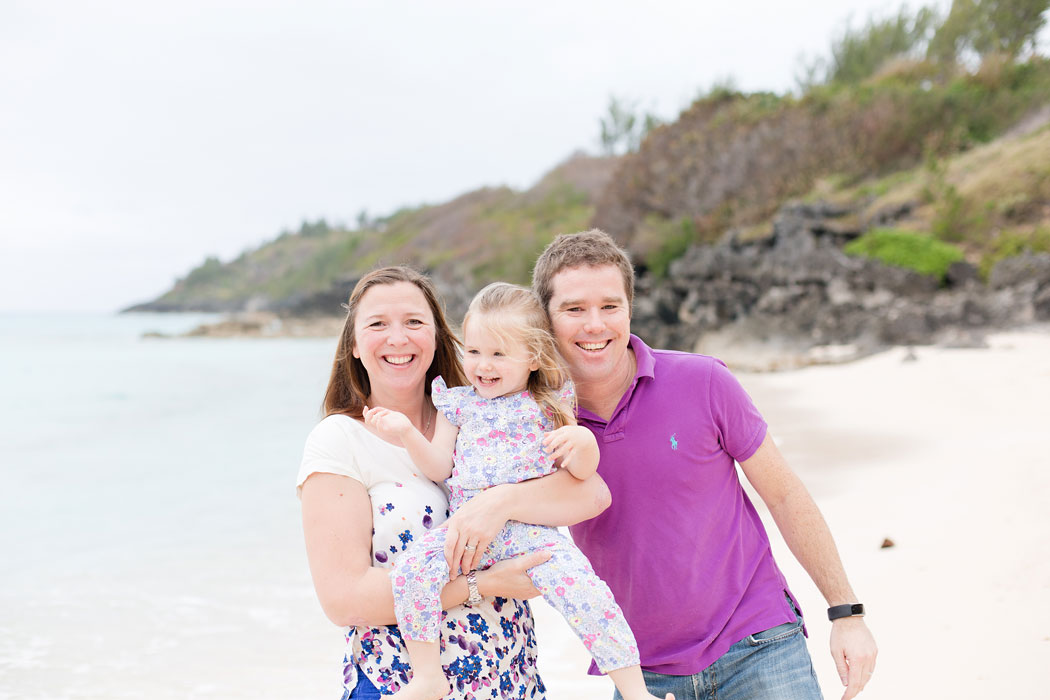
point(433, 457)
point(337, 524)
point(555, 500)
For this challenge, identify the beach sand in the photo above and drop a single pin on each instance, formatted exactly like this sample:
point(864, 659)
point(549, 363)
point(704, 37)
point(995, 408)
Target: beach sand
point(117, 587)
point(945, 454)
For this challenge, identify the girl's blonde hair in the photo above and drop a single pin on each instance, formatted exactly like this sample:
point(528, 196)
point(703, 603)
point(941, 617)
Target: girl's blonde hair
point(515, 316)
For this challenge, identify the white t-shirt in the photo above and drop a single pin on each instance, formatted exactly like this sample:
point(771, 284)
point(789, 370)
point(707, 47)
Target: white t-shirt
point(488, 650)
point(403, 498)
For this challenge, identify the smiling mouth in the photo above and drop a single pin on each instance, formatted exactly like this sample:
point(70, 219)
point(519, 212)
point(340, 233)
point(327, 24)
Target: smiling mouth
point(485, 381)
point(399, 360)
point(593, 347)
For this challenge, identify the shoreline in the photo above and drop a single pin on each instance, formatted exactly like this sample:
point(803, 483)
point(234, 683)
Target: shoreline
point(261, 324)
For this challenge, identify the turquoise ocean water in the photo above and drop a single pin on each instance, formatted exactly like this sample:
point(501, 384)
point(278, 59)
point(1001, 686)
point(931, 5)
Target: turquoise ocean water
point(150, 542)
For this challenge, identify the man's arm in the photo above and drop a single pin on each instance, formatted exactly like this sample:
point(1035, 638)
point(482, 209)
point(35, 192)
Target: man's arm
point(807, 535)
point(553, 500)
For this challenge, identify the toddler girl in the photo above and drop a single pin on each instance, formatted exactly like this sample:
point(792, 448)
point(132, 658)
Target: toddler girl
point(516, 422)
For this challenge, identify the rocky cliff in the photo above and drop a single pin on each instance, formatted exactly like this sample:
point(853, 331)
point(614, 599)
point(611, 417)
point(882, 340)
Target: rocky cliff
point(792, 296)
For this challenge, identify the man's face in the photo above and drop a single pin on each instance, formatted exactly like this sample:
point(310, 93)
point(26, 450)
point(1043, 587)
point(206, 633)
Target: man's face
point(592, 322)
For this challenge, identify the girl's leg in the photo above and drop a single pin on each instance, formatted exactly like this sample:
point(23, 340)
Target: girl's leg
point(428, 678)
point(417, 577)
point(570, 585)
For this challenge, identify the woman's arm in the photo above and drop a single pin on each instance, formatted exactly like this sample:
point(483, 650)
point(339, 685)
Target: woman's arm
point(337, 524)
point(555, 500)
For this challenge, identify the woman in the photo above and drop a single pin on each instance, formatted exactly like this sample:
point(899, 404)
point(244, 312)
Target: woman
point(363, 501)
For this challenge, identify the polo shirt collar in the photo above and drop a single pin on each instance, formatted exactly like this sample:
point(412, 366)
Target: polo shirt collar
point(643, 355)
point(645, 365)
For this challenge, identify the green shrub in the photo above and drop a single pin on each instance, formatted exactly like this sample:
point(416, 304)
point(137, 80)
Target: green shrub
point(1010, 244)
point(951, 220)
point(916, 251)
point(677, 236)
point(208, 272)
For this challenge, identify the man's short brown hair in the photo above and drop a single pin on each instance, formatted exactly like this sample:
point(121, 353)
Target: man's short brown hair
point(592, 248)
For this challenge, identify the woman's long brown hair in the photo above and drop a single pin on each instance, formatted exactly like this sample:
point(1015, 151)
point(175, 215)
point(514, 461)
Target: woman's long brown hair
point(348, 385)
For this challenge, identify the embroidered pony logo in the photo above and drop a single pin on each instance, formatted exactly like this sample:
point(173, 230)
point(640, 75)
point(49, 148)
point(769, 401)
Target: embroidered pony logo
point(674, 441)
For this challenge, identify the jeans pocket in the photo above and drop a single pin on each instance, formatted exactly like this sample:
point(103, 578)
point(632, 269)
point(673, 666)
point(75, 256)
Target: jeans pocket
point(775, 634)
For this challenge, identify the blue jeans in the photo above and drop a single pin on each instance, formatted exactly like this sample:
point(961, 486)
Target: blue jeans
point(364, 690)
point(769, 665)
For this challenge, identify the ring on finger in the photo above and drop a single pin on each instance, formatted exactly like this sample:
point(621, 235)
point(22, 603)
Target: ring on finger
point(471, 547)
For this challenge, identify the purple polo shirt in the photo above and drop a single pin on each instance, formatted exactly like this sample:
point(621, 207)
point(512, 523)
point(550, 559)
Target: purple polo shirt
point(682, 547)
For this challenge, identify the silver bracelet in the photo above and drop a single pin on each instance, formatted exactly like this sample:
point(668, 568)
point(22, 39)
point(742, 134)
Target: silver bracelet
point(472, 587)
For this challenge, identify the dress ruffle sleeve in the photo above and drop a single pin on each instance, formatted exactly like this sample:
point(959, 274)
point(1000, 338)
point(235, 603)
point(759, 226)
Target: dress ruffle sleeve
point(449, 401)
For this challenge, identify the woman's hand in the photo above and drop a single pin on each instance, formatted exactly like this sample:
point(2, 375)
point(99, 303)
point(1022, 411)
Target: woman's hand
point(508, 578)
point(476, 523)
point(574, 448)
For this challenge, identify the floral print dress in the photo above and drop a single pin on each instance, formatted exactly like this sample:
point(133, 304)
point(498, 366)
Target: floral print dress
point(487, 651)
point(501, 441)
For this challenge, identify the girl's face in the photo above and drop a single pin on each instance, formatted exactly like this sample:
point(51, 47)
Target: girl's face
point(495, 368)
point(394, 337)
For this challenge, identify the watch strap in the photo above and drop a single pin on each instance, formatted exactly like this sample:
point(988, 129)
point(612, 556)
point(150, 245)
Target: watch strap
point(847, 610)
point(472, 588)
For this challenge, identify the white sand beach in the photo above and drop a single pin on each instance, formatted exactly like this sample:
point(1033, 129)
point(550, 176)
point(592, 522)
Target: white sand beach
point(947, 456)
point(188, 579)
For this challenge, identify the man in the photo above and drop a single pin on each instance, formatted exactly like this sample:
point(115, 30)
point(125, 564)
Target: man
point(682, 547)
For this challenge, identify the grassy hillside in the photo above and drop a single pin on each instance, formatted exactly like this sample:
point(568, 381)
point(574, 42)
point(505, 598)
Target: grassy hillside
point(990, 202)
point(732, 159)
point(488, 234)
point(926, 145)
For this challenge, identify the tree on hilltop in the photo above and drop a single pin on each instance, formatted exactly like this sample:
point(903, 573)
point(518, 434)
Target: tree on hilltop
point(622, 129)
point(859, 53)
point(985, 27)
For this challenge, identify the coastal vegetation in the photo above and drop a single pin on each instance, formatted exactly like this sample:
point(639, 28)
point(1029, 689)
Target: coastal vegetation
point(491, 233)
point(922, 253)
point(934, 126)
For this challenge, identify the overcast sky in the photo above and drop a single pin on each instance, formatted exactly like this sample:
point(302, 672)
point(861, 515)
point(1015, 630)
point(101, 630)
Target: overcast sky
point(136, 138)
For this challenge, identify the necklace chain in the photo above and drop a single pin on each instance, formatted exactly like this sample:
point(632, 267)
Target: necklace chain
point(430, 417)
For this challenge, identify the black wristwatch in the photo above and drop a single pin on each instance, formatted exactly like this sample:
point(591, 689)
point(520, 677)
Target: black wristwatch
point(847, 610)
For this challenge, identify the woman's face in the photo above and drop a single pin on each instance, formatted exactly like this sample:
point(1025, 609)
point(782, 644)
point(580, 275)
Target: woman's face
point(394, 336)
